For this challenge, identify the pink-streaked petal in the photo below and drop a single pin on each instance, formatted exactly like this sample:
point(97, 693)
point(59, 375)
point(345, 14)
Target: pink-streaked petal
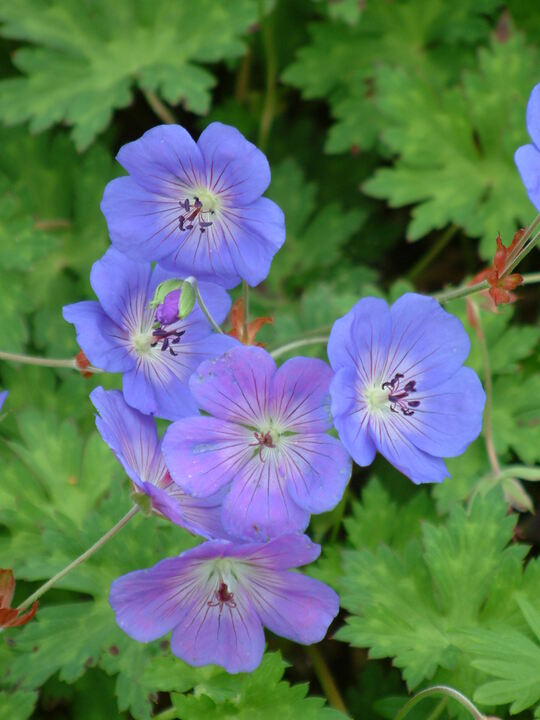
point(203, 454)
point(235, 387)
point(229, 636)
point(351, 416)
point(131, 435)
point(300, 398)
point(103, 342)
point(292, 605)
point(317, 468)
point(235, 169)
point(419, 466)
point(259, 505)
point(165, 160)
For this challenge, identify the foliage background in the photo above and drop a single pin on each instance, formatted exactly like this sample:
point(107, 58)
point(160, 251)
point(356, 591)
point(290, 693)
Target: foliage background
point(390, 126)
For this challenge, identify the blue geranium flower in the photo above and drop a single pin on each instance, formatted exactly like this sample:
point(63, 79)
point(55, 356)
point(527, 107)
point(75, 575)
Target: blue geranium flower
point(527, 157)
point(118, 334)
point(196, 207)
point(400, 387)
point(3, 396)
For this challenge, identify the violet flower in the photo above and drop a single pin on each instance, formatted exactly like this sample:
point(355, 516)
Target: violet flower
point(117, 334)
point(266, 441)
point(216, 598)
point(133, 438)
point(196, 207)
point(3, 396)
point(400, 387)
point(527, 157)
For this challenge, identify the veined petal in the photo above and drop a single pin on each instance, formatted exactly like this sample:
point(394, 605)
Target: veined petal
point(235, 168)
point(280, 553)
point(351, 415)
point(154, 388)
point(235, 387)
point(292, 605)
point(103, 342)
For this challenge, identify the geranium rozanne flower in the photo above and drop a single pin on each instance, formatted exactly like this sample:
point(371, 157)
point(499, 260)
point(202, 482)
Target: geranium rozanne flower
point(265, 440)
point(400, 387)
point(133, 438)
point(527, 157)
point(216, 598)
point(118, 334)
point(196, 207)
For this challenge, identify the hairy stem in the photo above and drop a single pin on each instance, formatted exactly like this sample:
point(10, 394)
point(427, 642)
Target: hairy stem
point(193, 282)
point(269, 107)
point(433, 252)
point(158, 106)
point(245, 308)
point(441, 690)
point(298, 343)
point(91, 550)
point(48, 362)
point(488, 385)
point(326, 679)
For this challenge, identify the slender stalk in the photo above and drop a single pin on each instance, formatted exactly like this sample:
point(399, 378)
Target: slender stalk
point(298, 343)
point(91, 550)
point(436, 248)
point(159, 107)
point(488, 385)
point(242, 79)
point(193, 282)
point(463, 291)
point(441, 690)
point(269, 107)
point(438, 709)
point(53, 224)
point(523, 247)
point(531, 279)
point(324, 676)
point(48, 362)
point(245, 303)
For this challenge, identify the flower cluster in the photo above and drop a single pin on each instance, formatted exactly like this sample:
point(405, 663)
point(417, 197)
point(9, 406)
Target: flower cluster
point(248, 456)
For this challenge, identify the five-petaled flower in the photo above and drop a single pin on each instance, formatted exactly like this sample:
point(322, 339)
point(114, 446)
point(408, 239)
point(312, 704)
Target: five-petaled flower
point(196, 207)
point(133, 438)
point(119, 334)
point(216, 598)
point(9, 617)
point(527, 157)
point(400, 387)
point(266, 441)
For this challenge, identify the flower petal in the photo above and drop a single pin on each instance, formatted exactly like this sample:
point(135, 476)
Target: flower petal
point(104, 343)
point(153, 388)
point(449, 417)
point(292, 605)
point(235, 387)
point(351, 416)
point(280, 553)
point(235, 168)
point(533, 115)
point(527, 159)
point(300, 398)
point(3, 396)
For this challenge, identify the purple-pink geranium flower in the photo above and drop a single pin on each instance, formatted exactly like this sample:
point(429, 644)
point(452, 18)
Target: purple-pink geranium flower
point(133, 438)
point(196, 207)
point(527, 157)
point(400, 387)
point(265, 440)
point(216, 598)
point(117, 334)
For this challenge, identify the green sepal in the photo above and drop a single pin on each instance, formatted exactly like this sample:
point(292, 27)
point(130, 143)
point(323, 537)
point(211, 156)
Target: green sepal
point(163, 289)
point(143, 501)
point(187, 300)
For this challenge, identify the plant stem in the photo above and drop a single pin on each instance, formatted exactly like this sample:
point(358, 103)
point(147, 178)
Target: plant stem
point(193, 282)
point(245, 308)
point(531, 279)
point(437, 247)
point(269, 107)
point(48, 362)
point(159, 107)
point(298, 343)
point(91, 550)
point(53, 224)
point(441, 690)
point(324, 676)
point(459, 292)
point(438, 709)
point(488, 384)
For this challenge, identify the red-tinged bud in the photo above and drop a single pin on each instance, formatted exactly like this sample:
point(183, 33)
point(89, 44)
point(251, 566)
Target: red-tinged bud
point(236, 318)
point(9, 617)
point(82, 362)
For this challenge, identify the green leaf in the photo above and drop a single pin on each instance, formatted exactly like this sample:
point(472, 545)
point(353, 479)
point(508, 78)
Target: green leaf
point(83, 59)
point(17, 705)
point(455, 147)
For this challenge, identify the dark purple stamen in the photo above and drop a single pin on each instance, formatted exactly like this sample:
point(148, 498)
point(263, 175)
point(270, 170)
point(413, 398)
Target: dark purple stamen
point(167, 338)
point(397, 395)
point(196, 212)
point(222, 596)
point(263, 440)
